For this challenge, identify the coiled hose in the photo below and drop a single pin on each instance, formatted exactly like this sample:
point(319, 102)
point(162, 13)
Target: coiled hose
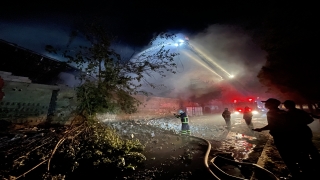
point(221, 175)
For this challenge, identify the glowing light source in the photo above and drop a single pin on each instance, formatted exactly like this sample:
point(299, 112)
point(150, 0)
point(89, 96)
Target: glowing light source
point(250, 99)
point(231, 76)
point(255, 112)
point(180, 40)
point(176, 44)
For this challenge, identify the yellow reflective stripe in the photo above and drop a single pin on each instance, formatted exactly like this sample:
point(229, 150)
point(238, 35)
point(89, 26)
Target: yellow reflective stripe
point(185, 120)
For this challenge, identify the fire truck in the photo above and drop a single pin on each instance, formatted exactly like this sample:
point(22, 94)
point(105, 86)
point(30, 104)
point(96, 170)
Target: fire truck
point(255, 106)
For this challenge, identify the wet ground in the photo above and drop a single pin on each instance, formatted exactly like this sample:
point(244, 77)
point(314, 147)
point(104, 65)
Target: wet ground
point(170, 156)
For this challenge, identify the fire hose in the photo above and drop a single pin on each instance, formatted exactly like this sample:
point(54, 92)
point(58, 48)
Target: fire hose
point(219, 174)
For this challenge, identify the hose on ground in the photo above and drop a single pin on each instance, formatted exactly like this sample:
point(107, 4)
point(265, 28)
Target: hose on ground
point(225, 176)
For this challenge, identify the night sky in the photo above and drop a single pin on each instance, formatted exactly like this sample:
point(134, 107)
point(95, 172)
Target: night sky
point(134, 22)
point(227, 30)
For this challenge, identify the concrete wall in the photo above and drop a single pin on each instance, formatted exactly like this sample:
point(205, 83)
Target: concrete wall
point(153, 107)
point(9, 77)
point(26, 102)
point(64, 103)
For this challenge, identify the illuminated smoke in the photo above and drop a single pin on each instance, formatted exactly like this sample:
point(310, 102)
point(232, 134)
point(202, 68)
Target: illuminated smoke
point(229, 48)
point(212, 61)
point(200, 62)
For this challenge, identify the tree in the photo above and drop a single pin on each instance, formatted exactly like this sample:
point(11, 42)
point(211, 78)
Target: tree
point(288, 34)
point(109, 82)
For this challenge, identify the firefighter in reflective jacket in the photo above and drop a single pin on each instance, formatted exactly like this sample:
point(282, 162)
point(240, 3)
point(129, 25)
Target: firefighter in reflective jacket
point(185, 129)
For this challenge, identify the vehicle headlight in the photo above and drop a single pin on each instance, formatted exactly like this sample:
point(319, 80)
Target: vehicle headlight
point(255, 112)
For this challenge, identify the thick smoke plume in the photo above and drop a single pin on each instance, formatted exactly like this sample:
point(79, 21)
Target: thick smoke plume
point(228, 46)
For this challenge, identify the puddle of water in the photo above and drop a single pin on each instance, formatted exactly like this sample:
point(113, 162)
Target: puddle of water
point(239, 121)
point(183, 156)
point(237, 144)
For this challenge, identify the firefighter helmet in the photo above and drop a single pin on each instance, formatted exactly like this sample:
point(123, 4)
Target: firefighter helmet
point(180, 111)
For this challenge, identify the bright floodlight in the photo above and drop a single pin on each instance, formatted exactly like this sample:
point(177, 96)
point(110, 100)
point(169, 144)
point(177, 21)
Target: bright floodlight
point(180, 40)
point(255, 112)
point(231, 76)
point(176, 44)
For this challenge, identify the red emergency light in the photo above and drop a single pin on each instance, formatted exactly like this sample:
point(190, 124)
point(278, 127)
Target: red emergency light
point(235, 101)
point(250, 99)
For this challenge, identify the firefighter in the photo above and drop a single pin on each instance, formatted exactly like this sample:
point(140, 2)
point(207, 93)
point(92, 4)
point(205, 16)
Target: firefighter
point(227, 116)
point(279, 129)
point(247, 115)
point(298, 122)
point(185, 129)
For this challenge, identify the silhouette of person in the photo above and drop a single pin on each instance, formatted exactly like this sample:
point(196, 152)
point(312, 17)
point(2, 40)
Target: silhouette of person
point(247, 116)
point(226, 114)
point(299, 120)
point(282, 136)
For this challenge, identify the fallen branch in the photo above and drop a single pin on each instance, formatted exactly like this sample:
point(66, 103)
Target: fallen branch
point(68, 132)
point(54, 150)
point(46, 142)
point(31, 169)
